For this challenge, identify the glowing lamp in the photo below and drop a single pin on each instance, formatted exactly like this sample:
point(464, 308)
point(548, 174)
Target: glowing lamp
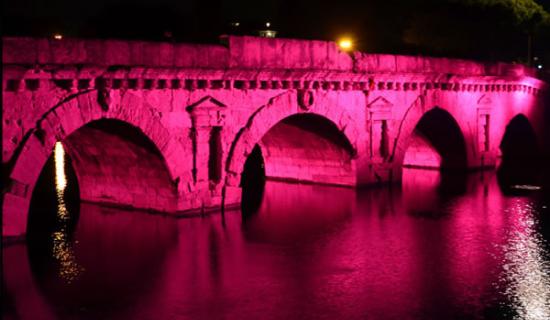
point(267, 33)
point(58, 36)
point(345, 44)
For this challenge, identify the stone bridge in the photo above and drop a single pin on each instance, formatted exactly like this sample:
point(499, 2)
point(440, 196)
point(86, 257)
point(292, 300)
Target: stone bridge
point(168, 127)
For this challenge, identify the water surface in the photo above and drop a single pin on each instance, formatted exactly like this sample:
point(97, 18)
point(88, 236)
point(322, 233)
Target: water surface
point(435, 248)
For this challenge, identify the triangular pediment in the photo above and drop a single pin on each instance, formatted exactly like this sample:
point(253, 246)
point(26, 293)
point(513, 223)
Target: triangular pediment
point(380, 103)
point(207, 104)
point(484, 100)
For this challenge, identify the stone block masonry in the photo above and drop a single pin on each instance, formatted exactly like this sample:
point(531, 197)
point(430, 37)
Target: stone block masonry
point(168, 127)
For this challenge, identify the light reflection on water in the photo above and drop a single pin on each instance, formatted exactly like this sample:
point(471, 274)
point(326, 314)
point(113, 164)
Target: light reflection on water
point(437, 248)
point(526, 271)
point(62, 249)
point(60, 177)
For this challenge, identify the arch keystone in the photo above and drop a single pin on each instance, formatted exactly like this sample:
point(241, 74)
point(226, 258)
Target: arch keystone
point(305, 99)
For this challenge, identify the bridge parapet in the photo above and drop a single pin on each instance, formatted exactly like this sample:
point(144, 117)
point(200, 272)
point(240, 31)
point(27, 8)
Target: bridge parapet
point(244, 63)
point(238, 52)
point(40, 51)
point(389, 63)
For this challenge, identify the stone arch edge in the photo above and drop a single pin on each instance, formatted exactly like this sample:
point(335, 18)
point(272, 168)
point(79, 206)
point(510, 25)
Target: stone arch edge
point(23, 169)
point(264, 118)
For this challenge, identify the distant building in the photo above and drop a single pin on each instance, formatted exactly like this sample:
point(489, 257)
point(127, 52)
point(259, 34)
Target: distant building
point(251, 28)
point(267, 33)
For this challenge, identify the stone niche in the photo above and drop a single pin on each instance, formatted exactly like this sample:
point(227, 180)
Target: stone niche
point(208, 119)
point(379, 113)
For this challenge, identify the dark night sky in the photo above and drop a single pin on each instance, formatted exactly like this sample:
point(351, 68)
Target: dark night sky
point(435, 27)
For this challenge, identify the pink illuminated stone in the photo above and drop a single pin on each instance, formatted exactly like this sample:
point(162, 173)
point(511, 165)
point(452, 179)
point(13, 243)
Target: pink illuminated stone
point(201, 109)
point(421, 154)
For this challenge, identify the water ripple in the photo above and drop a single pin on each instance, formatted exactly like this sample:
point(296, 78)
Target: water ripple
point(526, 271)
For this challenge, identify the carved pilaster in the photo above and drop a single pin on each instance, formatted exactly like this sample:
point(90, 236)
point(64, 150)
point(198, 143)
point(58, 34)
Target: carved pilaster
point(208, 119)
point(379, 113)
point(484, 106)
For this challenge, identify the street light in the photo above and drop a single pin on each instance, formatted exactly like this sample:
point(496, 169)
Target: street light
point(345, 44)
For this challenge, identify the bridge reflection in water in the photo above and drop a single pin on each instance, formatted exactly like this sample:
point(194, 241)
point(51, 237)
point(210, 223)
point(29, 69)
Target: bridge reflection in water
point(436, 248)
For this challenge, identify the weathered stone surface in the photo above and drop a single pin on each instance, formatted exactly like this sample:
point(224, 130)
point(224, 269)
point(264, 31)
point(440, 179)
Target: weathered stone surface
point(193, 114)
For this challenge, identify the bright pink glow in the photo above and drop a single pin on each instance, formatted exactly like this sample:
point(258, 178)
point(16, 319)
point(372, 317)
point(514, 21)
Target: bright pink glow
point(177, 95)
point(112, 169)
point(308, 148)
point(421, 153)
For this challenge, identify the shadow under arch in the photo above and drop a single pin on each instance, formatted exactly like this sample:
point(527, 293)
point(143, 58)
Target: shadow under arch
point(274, 112)
point(117, 164)
point(252, 182)
point(57, 124)
point(519, 143)
point(301, 148)
point(520, 161)
point(437, 142)
point(108, 162)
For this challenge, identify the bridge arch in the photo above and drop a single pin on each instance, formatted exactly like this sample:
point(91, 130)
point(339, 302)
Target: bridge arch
point(94, 136)
point(297, 144)
point(520, 155)
point(519, 143)
point(434, 140)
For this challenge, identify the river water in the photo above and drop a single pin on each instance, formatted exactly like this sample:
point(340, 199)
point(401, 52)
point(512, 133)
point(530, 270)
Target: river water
point(433, 248)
